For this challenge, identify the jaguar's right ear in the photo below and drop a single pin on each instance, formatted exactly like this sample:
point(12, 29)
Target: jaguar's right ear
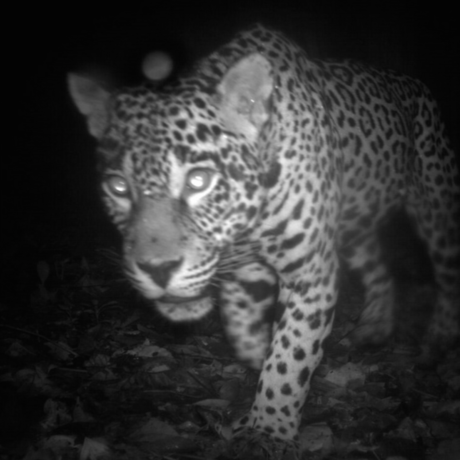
point(91, 100)
point(244, 93)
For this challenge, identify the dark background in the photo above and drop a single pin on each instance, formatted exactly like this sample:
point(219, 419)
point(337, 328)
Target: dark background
point(49, 168)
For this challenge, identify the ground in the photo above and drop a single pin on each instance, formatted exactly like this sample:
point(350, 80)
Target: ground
point(89, 371)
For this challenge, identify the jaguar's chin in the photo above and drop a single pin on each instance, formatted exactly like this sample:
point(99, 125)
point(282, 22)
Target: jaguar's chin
point(184, 309)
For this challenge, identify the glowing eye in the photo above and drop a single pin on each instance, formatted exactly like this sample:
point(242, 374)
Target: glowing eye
point(117, 185)
point(199, 179)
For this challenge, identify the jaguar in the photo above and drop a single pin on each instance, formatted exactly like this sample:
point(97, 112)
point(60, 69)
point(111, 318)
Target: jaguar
point(257, 172)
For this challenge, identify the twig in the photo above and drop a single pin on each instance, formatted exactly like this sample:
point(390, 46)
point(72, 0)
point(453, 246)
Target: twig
point(36, 334)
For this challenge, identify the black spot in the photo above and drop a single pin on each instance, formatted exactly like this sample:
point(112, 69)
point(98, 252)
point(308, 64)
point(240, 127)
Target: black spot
point(293, 242)
point(286, 389)
point(177, 136)
point(313, 236)
point(314, 320)
point(269, 393)
point(258, 290)
point(270, 410)
point(271, 178)
point(278, 230)
point(235, 173)
point(291, 153)
point(285, 342)
point(307, 223)
point(251, 212)
point(244, 420)
point(199, 103)
point(181, 124)
point(297, 315)
point(299, 354)
point(272, 248)
point(282, 206)
point(304, 376)
point(281, 368)
point(297, 212)
point(293, 266)
point(216, 131)
point(315, 347)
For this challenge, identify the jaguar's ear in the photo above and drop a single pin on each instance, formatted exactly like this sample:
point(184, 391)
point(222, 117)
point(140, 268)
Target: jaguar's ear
point(243, 95)
point(91, 100)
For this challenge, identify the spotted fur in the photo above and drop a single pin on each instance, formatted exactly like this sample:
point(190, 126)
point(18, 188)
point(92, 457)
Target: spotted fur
point(288, 163)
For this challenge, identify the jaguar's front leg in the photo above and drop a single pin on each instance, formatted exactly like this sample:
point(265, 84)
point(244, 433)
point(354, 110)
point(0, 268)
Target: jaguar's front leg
point(247, 303)
point(294, 354)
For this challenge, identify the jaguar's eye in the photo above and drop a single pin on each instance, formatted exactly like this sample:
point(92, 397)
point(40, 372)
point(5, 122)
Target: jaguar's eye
point(199, 179)
point(117, 185)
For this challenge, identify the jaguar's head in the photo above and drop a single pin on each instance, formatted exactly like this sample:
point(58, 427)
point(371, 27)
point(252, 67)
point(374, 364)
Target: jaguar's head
point(182, 175)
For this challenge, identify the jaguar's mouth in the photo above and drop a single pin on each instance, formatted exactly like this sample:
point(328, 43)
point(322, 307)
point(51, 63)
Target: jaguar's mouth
point(179, 300)
point(184, 308)
point(173, 299)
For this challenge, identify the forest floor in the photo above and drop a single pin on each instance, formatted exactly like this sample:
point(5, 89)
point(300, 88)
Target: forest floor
point(88, 371)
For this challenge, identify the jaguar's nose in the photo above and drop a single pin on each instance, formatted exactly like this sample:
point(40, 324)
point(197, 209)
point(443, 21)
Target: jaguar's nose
point(160, 273)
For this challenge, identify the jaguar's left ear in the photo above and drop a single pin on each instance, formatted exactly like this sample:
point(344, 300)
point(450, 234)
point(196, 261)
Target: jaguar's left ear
point(243, 95)
point(91, 100)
